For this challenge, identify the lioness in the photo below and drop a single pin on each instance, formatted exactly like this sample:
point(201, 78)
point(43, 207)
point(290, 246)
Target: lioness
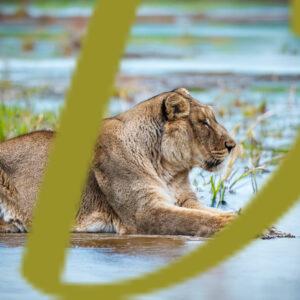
point(138, 181)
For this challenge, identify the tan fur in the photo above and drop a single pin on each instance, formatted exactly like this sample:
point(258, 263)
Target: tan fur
point(138, 181)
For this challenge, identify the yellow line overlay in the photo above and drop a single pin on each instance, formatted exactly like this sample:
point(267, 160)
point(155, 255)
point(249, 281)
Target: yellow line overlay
point(295, 16)
point(60, 192)
point(86, 102)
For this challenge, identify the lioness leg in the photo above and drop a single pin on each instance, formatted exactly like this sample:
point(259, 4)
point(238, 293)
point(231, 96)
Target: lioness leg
point(195, 204)
point(189, 200)
point(101, 221)
point(95, 222)
point(8, 228)
point(185, 197)
point(173, 220)
point(10, 213)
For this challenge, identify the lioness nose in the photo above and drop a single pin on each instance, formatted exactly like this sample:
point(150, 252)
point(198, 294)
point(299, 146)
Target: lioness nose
point(230, 144)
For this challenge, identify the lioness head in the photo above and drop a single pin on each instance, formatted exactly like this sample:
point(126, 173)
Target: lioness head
point(192, 136)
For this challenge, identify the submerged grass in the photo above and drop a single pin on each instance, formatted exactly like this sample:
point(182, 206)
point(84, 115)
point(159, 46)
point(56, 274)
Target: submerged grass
point(257, 156)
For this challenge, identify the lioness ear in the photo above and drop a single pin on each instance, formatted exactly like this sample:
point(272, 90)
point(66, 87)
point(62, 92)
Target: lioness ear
point(182, 91)
point(176, 107)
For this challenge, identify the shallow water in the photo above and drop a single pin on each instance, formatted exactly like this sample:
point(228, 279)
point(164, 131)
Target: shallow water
point(267, 268)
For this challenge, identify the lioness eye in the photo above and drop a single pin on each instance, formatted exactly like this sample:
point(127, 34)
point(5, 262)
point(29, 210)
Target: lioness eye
point(206, 122)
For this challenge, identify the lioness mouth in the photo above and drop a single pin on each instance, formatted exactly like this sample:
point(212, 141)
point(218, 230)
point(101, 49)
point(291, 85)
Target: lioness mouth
point(212, 163)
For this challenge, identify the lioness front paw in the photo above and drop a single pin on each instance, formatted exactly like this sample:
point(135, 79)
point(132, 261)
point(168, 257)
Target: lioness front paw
point(224, 219)
point(216, 223)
